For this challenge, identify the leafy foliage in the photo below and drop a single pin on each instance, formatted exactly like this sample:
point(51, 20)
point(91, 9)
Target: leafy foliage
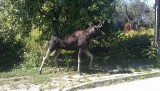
point(137, 11)
point(11, 50)
point(127, 48)
point(54, 16)
point(25, 24)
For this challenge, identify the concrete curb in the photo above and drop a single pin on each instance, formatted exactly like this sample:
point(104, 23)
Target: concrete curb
point(114, 80)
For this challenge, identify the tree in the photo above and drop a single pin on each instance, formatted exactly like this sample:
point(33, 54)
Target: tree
point(136, 11)
point(19, 18)
point(54, 16)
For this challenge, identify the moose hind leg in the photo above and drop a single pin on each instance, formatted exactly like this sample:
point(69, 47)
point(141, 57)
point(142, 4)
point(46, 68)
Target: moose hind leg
point(44, 58)
point(91, 57)
point(55, 56)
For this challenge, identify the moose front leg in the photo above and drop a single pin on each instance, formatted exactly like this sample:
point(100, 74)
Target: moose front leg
point(79, 60)
point(44, 58)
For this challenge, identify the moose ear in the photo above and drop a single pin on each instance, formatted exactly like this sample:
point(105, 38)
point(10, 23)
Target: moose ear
point(90, 24)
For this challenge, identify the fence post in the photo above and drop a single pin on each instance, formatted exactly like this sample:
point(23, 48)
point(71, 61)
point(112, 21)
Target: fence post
point(157, 28)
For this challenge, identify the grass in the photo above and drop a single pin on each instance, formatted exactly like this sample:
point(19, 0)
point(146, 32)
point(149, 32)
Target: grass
point(31, 76)
point(18, 73)
point(52, 78)
point(49, 72)
point(20, 77)
point(41, 79)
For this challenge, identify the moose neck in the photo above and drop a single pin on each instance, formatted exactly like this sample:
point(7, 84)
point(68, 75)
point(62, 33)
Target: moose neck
point(90, 33)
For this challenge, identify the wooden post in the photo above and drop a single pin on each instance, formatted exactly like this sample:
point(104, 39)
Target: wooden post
point(157, 27)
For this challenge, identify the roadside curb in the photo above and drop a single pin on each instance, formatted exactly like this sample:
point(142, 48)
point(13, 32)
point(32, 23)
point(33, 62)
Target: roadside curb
point(114, 80)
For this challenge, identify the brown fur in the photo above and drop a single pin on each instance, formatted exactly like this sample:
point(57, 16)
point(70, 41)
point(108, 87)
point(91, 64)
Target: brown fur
point(75, 41)
point(127, 27)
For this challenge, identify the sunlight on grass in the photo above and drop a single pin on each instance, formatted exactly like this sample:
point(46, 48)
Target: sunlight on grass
point(18, 73)
point(41, 79)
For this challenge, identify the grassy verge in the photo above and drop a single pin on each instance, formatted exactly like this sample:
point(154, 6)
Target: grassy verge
point(51, 78)
point(52, 72)
point(31, 76)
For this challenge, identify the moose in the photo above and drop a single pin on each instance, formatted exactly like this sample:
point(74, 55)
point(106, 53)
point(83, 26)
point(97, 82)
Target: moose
point(75, 41)
point(127, 26)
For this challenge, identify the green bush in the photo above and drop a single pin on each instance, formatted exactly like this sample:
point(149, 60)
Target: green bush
point(127, 47)
point(11, 50)
point(33, 52)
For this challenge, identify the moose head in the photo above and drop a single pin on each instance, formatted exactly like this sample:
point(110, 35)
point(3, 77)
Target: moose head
point(95, 30)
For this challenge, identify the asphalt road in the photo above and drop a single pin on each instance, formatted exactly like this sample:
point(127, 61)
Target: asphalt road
point(151, 84)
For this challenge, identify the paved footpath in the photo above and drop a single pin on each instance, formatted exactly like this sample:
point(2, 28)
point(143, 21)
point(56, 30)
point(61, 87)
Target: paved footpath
point(151, 84)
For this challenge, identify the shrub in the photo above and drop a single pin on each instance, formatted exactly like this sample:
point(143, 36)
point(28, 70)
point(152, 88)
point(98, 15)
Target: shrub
point(11, 50)
point(125, 48)
point(32, 51)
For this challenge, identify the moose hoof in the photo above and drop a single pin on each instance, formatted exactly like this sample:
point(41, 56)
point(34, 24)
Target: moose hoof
point(79, 73)
point(90, 66)
point(40, 72)
point(59, 69)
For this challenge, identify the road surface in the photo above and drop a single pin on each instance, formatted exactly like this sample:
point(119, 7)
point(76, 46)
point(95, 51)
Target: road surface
point(151, 84)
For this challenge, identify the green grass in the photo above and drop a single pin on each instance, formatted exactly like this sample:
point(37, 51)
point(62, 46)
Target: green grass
point(51, 78)
point(32, 76)
point(41, 79)
point(18, 73)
